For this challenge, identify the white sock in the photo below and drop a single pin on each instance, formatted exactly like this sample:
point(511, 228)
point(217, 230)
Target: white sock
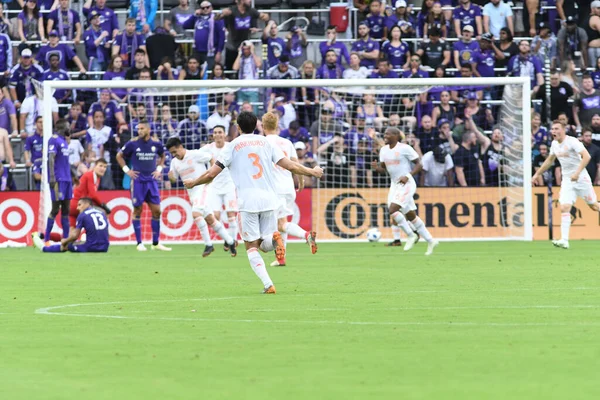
point(402, 223)
point(294, 230)
point(412, 226)
point(284, 236)
point(258, 266)
point(221, 231)
point(203, 228)
point(233, 228)
point(565, 225)
point(420, 227)
point(396, 232)
point(267, 244)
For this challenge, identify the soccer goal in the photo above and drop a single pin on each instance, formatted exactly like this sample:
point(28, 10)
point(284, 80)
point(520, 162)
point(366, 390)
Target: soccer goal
point(473, 136)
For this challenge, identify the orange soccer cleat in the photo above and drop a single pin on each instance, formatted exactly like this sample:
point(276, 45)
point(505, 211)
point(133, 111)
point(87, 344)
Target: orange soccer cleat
point(270, 290)
point(311, 240)
point(279, 248)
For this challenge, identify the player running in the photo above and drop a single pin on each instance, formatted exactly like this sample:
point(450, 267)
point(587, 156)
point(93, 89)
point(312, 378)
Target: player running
point(145, 172)
point(284, 184)
point(189, 165)
point(250, 161)
point(396, 159)
point(222, 194)
point(576, 182)
point(88, 188)
point(96, 228)
point(59, 177)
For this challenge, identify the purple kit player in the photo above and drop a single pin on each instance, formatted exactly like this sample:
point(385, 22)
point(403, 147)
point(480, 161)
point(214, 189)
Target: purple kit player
point(94, 223)
point(59, 177)
point(145, 172)
point(33, 151)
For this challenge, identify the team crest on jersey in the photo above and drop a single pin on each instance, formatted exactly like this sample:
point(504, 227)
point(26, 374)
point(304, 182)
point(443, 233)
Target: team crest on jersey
point(153, 149)
point(190, 162)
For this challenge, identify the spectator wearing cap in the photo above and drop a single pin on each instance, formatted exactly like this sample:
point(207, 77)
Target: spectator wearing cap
point(8, 115)
point(437, 168)
point(276, 47)
point(240, 21)
point(376, 20)
point(112, 113)
point(209, 35)
point(465, 48)
point(544, 45)
point(467, 14)
point(66, 22)
point(296, 44)
point(191, 130)
point(484, 62)
point(331, 68)
point(528, 65)
point(435, 52)
point(283, 70)
point(295, 133)
point(572, 42)
point(395, 50)
point(340, 49)
point(97, 44)
point(592, 27)
point(54, 73)
point(247, 64)
point(367, 48)
point(65, 53)
point(108, 18)
point(21, 75)
point(30, 24)
point(144, 12)
point(401, 14)
point(497, 15)
point(126, 44)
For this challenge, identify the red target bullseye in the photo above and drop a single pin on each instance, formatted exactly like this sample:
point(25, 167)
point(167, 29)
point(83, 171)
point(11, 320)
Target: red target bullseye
point(176, 215)
point(17, 218)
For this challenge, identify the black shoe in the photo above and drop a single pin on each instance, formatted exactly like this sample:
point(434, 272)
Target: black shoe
point(41, 235)
point(394, 243)
point(418, 236)
point(225, 247)
point(208, 250)
point(233, 250)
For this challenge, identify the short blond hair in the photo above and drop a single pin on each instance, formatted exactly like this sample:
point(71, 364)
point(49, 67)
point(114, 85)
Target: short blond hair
point(270, 122)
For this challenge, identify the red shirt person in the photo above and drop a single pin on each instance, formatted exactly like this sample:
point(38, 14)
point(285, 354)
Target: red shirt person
point(88, 187)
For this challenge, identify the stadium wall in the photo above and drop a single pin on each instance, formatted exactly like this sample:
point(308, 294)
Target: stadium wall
point(337, 214)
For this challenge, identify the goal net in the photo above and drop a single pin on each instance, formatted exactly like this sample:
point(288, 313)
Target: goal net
point(469, 134)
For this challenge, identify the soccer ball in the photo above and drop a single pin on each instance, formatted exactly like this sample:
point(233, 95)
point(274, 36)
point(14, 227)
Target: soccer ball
point(373, 235)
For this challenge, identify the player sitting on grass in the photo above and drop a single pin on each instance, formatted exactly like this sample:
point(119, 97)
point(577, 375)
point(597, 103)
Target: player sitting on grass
point(573, 158)
point(284, 183)
point(94, 223)
point(190, 164)
point(396, 158)
point(250, 160)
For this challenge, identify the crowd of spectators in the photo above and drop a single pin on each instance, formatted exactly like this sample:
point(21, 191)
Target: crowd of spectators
point(455, 129)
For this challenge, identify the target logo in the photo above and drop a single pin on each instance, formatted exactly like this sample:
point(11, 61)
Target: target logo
point(176, 216)
point(120, 218)
point(16, 218)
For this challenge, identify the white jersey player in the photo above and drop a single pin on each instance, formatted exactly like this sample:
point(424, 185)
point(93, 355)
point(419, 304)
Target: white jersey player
point(286, 191)
point(222, 194)
point(250, 161)
point(397, 159)
point(191, 164)
point(576, 182)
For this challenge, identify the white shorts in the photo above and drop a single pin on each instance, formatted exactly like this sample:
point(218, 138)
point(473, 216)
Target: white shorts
point(286, 205)
point(220, 202)
point(403, 195)
point(569, 191)
point(256, 226)
point(199, 199)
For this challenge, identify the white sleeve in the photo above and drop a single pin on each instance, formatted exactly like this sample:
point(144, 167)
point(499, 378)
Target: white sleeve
point(174, 164)
point(410, 153)
point(226, 155)
point(276, 153)
point(577, 146)
point(80, 149)
point(425, 161)
point(26, 106)
point(449, 163)
point(291, 150)
point(553, 149)
point(54, 105)
point(201, 156)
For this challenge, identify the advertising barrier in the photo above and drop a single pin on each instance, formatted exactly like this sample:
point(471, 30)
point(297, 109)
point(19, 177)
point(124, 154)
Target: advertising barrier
point(19, 212)
point(447, 212)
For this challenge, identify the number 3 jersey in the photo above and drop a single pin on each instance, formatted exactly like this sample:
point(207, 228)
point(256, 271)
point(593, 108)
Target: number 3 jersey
point(250, 160)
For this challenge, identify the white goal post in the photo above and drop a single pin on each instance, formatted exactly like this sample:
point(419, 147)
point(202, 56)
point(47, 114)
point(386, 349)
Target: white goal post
point(520, 188)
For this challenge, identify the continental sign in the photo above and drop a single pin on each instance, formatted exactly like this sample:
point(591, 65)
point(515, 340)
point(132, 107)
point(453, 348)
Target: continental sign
point(448, 213)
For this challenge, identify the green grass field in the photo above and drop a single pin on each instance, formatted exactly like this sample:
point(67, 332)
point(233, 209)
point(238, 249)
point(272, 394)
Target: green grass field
point(356, 321)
